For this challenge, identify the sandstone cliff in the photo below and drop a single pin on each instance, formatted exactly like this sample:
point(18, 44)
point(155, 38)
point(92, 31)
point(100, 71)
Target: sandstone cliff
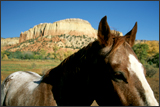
point(73, 26)
point(68, 26)
point(9, 41)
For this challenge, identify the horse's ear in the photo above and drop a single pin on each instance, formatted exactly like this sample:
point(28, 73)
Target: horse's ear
point(104, 34)
point(131, 35)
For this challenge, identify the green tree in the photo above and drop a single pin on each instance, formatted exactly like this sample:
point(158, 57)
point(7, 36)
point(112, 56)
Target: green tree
point(43, 53)
point(17, 54)
point(60, 55)
point(154, 60)
point(141, 51)
point(55, 49)
point(8, 53)
point(27, 55)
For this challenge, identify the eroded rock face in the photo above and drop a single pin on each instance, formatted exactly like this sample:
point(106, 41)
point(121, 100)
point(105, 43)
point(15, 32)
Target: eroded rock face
point(9, 41)
point(116, 33)
point(72, 26)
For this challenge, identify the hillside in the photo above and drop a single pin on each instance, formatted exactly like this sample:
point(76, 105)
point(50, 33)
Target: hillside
point(48, 42)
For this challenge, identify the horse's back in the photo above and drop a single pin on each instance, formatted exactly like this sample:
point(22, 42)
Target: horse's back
point(17, 83)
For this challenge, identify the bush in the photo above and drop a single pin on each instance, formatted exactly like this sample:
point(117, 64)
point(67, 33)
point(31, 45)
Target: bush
point(150, 70)
point(154, 60)
point(17, 54)
point(27, 55)
point(141, 51)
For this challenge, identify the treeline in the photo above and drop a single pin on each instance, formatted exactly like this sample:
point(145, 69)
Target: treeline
point(142, 52)
point(42, 54)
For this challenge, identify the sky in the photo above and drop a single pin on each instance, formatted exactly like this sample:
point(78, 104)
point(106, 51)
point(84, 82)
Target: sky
point(20, 16)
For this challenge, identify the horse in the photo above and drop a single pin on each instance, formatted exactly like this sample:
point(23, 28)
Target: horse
point(106, 70)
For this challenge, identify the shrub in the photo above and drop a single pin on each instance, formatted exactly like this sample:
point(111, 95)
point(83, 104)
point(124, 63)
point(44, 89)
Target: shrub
point(141, 51)
point(154, 59)
point(17, 54)
point(27, 55)
point(150, 70)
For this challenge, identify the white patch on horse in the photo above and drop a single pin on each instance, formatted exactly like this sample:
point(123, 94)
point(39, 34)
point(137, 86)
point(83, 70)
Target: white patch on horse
point(10, 78)
point(28, 79)
point(137, 68)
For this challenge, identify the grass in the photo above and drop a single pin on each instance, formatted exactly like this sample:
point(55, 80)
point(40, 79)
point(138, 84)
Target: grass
point(8, 67)
point(40, 66)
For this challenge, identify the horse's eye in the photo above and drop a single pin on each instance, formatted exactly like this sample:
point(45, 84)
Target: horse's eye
point(118, 75)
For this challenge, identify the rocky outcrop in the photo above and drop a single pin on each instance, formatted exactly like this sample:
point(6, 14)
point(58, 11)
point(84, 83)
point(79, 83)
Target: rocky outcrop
point(117, 33)
point(9, 41)
point(68, 26)
point(73, 26)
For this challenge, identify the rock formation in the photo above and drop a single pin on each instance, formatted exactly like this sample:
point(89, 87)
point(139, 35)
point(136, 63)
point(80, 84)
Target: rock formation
point(9, 41)
point(117, 33)
point(73, 26)
point(68, 26)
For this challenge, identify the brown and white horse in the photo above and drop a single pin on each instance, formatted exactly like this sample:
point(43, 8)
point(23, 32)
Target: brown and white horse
point(107, 70)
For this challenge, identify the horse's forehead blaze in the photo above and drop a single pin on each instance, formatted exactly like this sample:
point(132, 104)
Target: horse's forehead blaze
point(135, 67)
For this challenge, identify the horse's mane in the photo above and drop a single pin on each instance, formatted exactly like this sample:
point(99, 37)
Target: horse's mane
point(83, 56)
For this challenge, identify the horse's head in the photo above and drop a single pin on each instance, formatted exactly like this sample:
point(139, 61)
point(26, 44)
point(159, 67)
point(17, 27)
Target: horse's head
point(126, 73)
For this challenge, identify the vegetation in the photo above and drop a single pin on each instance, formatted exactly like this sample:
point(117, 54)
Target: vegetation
point(141, 51)
point(150, 62)
point(42, 54)
point(38, 66)
point(153, 48)
point(154, 60)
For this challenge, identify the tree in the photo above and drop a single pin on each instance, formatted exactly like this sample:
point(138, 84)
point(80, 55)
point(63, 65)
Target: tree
point(55, 48)
point(153, 47)
point(8, 53)
point(43, 53)
point(27, 55)
point(17, 54)
point(154, 60)
point(60, 55)
point(141, 51)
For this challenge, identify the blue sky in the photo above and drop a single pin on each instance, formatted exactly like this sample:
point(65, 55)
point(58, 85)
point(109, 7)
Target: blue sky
point(20, 16)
